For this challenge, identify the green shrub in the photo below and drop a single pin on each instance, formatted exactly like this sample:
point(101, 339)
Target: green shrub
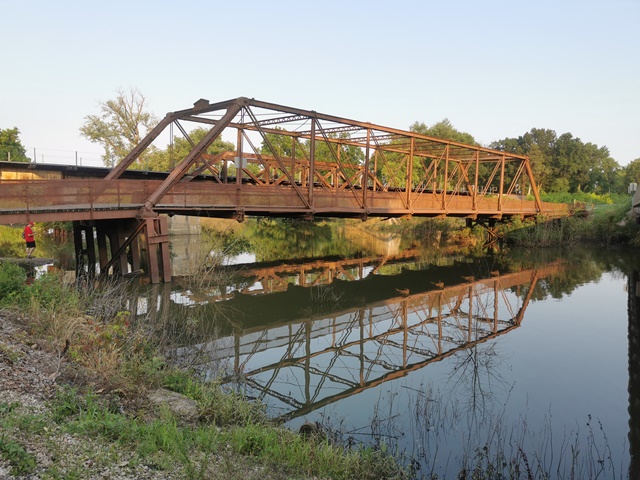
point(584, 197)
point(50, 294)
point(12, 283)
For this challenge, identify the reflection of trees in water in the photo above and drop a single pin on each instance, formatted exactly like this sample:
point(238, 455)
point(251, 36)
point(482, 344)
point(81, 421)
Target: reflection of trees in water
point(279, 239)
point(475, 377)
point(587, 266)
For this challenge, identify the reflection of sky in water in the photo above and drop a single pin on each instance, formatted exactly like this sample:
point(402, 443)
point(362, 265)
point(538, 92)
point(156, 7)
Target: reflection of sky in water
point(240, 259)
point(568, 360)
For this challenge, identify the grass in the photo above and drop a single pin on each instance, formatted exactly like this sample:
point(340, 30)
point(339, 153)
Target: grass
point(164, 442)
point(607, 225)
point(92, 329)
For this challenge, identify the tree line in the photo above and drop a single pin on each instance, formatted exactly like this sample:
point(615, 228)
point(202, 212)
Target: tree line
point(560, 163)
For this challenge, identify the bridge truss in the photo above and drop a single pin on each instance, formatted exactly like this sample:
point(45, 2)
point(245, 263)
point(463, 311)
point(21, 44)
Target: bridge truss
point(285, 161)
point(308, 163)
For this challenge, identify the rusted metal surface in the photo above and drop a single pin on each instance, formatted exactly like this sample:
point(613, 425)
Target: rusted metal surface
point(335, 167)
point(56, 200)
point(288, 162)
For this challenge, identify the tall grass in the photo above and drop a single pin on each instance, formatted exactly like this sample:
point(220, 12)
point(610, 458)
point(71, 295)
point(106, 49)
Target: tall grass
point(585, 197)
point(606, 226)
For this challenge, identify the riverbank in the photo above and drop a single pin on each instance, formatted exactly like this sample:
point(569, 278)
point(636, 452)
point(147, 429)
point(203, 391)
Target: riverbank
point(78, 399)
point(604, 225)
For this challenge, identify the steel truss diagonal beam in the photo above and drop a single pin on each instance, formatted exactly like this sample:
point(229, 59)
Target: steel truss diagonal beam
point(451, 169)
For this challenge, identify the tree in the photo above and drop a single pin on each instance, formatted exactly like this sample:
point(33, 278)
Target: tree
point(565, 163)
point(444, 130)
point(165, 160)
point(120, 126)
point(538, 144)
point(632, 172)
point(10, 146)
point(283, 147)
point(280, 145)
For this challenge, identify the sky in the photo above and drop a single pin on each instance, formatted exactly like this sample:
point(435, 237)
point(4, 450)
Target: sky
point(494, 68)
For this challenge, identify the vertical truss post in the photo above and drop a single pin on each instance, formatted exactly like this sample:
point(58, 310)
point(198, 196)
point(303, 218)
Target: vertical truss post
point(475, 185)
point(500, 196)
point(365, 176)
point(446, 179)
point(434, 187)
point(409, 170)
point(293, 159)
point(312, 161)
point(375, 170)
point(240, 153)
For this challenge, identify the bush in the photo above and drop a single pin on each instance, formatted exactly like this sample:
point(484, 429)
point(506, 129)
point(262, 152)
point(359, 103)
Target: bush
point(584, 197)
point(12, 283)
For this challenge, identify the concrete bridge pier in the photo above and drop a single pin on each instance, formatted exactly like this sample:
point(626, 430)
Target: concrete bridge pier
point(123, 246)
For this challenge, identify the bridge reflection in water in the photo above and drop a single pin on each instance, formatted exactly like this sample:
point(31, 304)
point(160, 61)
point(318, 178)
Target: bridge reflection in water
point(307, 361)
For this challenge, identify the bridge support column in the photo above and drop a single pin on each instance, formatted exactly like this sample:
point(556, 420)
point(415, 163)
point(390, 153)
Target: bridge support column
point(156, 241)
point(490, 225)
point(85, 249)
point(124, 247)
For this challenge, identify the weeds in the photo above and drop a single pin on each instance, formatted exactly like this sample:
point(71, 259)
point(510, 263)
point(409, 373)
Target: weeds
point(20, 460)
point(94, 328)
point(610, 225)
point(12, 283)
point(9, 353)
point(165, 441)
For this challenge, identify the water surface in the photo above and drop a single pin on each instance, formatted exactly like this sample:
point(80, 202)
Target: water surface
point(445, 359)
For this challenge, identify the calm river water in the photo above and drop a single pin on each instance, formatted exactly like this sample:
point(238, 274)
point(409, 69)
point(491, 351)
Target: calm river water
point(530, 357)
point(525, 360)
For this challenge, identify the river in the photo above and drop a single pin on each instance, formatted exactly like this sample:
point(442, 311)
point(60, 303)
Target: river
point(448, 360)
point(522, 361)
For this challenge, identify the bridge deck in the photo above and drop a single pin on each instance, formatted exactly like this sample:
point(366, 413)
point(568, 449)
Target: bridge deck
point(98, 199)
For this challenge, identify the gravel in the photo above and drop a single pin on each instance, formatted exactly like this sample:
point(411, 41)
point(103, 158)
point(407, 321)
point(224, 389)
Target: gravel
point(29, 379)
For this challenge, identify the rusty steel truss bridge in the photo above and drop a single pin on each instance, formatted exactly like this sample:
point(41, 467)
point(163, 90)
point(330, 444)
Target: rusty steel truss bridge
point(286, 162)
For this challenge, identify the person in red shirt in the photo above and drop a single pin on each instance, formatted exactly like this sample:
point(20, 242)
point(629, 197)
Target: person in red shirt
point(29, 238)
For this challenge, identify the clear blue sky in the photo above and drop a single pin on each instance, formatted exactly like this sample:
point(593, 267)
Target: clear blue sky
point(495, 69)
